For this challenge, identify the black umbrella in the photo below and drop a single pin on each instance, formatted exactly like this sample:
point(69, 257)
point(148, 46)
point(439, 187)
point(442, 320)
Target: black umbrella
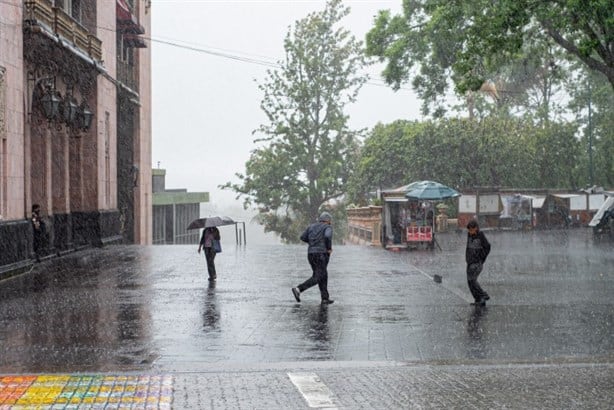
point(210, 221)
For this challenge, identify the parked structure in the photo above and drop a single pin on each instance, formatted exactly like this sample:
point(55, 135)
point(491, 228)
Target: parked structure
point(75, 134)
point(173, 210)
point(400, 222)
point(364, 225)
point(528, 208)
point(603, 221)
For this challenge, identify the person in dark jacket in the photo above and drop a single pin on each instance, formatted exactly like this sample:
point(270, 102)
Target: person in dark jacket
point(39, 231)
point(476, 253)
point(319, 236)
point(206, 241)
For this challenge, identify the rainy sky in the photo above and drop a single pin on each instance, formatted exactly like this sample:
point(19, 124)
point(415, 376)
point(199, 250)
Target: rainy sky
point(207, 59)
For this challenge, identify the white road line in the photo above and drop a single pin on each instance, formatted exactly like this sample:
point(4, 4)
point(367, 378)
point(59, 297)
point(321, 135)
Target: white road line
point(315, 392)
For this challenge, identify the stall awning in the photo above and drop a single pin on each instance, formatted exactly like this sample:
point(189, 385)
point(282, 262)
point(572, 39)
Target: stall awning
point(607, 205)
point(538, 202)
point(395, 199)
point(567, 196)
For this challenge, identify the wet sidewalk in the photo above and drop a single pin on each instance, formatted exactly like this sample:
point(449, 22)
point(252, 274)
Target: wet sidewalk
point(149, 311)
point(323, 385)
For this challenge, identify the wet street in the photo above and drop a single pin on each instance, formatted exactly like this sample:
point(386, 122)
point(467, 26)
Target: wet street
point(393, 335)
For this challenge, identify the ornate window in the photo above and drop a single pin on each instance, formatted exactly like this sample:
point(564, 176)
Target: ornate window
point(71, 7)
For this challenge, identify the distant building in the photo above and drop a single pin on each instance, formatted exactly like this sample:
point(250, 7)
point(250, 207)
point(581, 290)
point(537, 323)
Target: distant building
point(75, 124)
point(173, 210)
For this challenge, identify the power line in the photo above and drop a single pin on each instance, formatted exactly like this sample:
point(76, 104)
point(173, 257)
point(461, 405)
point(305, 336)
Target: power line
point(232, 55)
point(215, 53)
point(247, 59)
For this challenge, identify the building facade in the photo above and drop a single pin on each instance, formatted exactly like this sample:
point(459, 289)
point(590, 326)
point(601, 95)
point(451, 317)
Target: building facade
point(75, 124)
point(173, 210)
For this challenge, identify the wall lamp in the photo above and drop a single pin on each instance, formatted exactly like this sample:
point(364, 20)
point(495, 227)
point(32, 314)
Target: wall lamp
point(50, 101)
point(69, 108)
point(85, 117)
point(56, 108)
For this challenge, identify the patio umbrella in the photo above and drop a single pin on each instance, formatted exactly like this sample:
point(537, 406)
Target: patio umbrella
point(430, 191)
point(210, 221)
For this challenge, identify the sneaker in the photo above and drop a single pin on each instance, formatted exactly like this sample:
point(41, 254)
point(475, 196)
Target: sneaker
point(481, 302)
point(297, 294)
point(327, 301)
point(212, 278)
point(486, 298)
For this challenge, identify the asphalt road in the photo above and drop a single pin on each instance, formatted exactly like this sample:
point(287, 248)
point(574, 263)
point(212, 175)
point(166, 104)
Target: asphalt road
point(392, 331)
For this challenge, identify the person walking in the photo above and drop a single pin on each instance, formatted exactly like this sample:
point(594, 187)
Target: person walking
point(319, 236)
point(476, 253)
point(206, 241)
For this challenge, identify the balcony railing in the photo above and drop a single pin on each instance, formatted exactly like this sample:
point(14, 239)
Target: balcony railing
point(43, 13)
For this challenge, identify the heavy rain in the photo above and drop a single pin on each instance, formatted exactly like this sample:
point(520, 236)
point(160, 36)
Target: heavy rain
point(280, 205)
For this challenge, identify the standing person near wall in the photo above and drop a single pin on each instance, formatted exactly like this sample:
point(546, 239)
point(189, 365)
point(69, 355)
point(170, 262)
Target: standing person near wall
point(319, 236)
point(39, 231)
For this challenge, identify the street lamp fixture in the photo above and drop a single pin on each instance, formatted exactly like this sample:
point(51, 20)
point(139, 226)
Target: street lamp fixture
point(69, 109)
point(86, 116)
point(51, 103)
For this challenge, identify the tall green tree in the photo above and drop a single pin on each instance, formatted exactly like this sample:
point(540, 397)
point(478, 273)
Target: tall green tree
point(383, 160)
point(464, 153)
point(592, 103)
point(306, 150)
point(470, 41)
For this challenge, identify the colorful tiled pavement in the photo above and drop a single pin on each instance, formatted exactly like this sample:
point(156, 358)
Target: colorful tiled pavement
point(85, 391)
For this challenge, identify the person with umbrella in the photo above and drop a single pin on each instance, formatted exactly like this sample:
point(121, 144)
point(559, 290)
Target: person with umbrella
point(207, 240)
point(210, 239)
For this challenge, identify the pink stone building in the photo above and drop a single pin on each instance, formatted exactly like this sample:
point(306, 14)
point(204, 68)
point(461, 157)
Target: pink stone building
point(75, 125)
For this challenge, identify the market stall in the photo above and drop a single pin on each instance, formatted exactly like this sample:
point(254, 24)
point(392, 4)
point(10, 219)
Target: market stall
point(409, 214)
point(423, 195)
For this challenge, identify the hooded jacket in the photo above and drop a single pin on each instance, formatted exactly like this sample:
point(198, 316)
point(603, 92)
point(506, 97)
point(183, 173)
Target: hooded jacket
point(319, 236)
point(478, 248)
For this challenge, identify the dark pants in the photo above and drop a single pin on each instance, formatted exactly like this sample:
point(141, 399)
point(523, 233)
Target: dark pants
point(318, 262)
point(210, 257)
point(473, 271)
point(39, 244)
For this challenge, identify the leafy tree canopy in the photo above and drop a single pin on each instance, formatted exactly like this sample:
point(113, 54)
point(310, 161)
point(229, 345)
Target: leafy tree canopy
point(306, 150)
point(464, 153)
point(470, 41)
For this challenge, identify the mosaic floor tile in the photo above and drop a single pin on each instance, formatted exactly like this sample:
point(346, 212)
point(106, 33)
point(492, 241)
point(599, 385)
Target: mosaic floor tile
point(85, 391)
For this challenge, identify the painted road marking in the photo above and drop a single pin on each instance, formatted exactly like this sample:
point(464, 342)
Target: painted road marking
point(112, 391)
point(315, 392)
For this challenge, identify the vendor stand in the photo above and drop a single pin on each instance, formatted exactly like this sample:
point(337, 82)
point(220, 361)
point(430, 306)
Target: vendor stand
point(420, 228)
point(425, 194)
point(408, 214)
point(406, 223)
